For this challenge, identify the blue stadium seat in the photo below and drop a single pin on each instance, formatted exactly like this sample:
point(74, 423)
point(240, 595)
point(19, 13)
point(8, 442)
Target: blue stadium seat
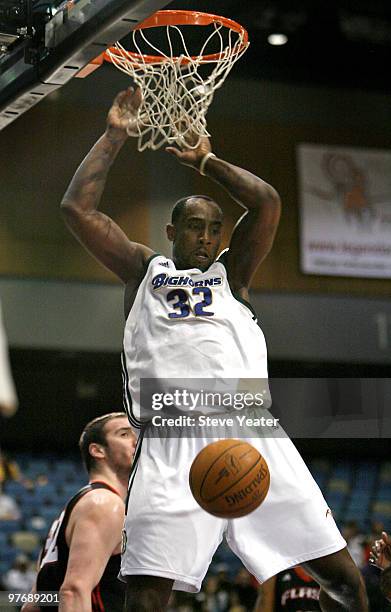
point(383, 494)
point(13, 487)
point(343, 470)
point(49, 513)
point(320, 478)
point(36, 468)
point(48, 489)
point(8, 555)
point(380, 516)
point(335, 497)
point(10, 526)
point(68, 489)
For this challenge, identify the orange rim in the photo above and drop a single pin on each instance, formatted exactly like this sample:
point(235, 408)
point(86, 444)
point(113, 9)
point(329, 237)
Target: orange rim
point(165, 18)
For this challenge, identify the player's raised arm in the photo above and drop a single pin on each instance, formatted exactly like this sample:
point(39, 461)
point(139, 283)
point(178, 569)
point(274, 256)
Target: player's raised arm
point(95, 230)
point(254, 233)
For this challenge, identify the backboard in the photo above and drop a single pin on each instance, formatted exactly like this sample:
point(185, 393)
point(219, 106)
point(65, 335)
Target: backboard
point(43, 46)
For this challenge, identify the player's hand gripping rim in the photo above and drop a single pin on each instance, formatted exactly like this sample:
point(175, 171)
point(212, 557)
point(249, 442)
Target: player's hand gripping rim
point(123, 114)
point(192, 157)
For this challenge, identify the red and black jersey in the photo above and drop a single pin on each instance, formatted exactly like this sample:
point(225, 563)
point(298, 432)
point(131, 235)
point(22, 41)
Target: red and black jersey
point(109, 594)
point(296, 592)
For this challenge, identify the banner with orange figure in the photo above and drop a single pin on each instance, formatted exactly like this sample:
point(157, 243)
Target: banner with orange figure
point(345, 210)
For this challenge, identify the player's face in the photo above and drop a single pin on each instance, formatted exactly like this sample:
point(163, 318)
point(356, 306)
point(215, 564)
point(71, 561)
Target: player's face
point(120, 444)
point(197, 236)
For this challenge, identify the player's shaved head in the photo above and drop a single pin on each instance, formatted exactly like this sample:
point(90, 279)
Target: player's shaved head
point(180, 206)
point(195, 232)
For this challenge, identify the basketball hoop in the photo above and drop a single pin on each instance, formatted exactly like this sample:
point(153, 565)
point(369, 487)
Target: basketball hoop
point(178, 86)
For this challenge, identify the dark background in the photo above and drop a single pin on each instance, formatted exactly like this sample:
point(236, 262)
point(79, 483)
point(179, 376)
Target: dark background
point(336, 42)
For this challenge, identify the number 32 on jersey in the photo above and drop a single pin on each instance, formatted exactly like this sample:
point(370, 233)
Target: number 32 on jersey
point(180, 302)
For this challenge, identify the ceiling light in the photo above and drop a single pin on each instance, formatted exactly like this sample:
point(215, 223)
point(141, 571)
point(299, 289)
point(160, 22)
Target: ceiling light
point(277, 39)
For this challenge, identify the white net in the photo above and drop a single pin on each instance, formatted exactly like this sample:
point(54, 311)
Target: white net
point(177, 89)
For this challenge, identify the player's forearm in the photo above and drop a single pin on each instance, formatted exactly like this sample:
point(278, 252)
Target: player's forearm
point(244, 187)
point(85, 190)
point(75, 599)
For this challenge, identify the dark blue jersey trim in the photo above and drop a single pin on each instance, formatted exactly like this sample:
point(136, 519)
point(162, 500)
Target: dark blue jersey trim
point(133, 470)
point(127, 398)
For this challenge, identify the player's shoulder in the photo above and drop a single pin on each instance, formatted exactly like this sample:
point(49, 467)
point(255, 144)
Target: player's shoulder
point(99, 510)
point(99, 502)
point(133, 285)
point(142, 255)
point(147, 257)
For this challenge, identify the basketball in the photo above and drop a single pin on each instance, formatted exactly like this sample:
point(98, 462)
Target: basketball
point(229, 478)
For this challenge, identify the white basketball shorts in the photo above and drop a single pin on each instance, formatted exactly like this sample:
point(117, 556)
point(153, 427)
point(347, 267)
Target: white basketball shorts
point(167, 534)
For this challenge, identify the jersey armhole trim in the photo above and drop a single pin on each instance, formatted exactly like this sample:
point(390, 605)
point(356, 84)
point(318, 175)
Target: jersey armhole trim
point(222, 259)
point(150, 259)
point(245, 303)
point(105, 486)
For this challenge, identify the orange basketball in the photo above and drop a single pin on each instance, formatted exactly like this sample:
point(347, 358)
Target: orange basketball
point(229, 478)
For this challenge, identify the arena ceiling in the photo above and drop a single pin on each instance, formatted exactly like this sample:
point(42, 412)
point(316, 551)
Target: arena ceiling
point(338, 43)
point(341, 43)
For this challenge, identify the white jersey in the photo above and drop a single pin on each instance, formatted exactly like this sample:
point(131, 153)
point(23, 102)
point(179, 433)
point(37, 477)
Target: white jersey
point(188, 324)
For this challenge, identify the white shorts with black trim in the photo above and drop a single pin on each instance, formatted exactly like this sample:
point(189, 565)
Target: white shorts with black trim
point(167, 534)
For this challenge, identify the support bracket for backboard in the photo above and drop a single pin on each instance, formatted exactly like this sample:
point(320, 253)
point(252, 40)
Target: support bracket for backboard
point(76, 35)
